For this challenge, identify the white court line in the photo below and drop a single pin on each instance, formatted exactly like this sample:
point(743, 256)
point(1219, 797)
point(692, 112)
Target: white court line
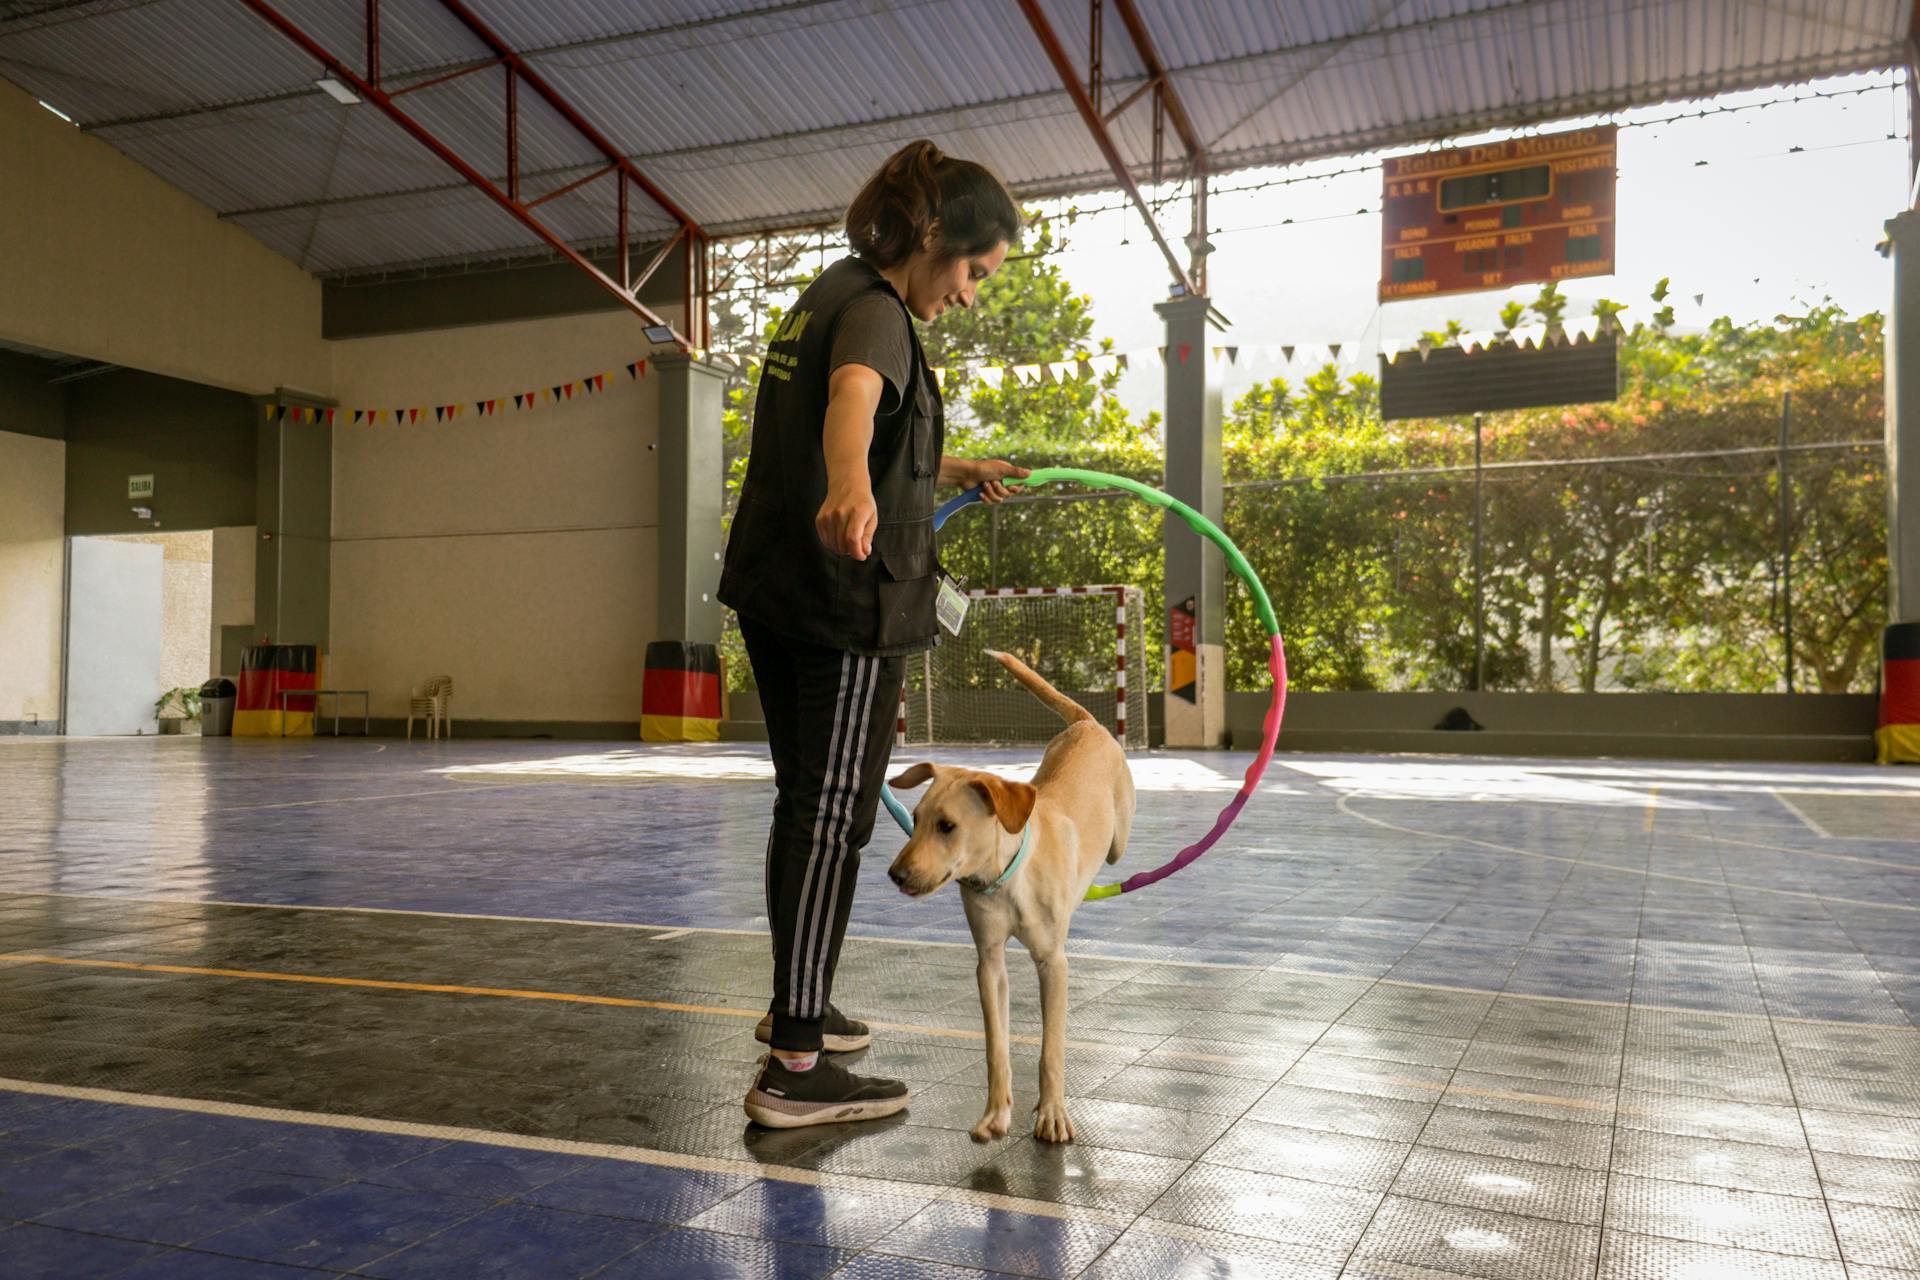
point(599, 1150)
point(1591, 865)
point(1801, 814)
point(1639, 1006)
point(670, 935)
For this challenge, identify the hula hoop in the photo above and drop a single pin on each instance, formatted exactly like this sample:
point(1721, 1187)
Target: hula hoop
point(1276, 662)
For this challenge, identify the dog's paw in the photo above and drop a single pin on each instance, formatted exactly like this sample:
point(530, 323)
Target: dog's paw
point(1050, 1123)
point(994, 1124)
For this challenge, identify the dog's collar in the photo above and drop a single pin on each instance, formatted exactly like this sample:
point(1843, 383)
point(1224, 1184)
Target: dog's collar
point(1026, 840)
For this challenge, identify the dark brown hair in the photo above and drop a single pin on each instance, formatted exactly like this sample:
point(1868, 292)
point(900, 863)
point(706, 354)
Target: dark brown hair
point(919, 186)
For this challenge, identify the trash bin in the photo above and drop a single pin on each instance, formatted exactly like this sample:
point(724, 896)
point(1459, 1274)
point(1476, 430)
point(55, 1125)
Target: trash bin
point(217, 697)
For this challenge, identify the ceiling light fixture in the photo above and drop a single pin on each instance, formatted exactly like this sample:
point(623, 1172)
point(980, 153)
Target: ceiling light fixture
point(337, 91)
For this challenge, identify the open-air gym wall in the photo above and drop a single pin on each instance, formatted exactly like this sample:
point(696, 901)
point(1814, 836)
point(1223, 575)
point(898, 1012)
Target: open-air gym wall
point(516, 553)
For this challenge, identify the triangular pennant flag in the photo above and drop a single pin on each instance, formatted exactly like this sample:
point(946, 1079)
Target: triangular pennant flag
point(643, 368)
point(1163, 354)
point(280, 413)
point(1334, 347)
point(1390, 348)
point(1216, 352)
point(413, 416)
point(1186, 349)
point(1120, 362)
point(519, 400)
point(566, 390)
point(630, 371)
point(1286, 351)
point(990, 376)
point(1060, 369)
point(439, 413)
point(1233, 355)
point(940, 379)
point(556, 393)
point(330, 414)
point(268, 410)
point(603, 381)
point(1023, 372)
point(356, 415)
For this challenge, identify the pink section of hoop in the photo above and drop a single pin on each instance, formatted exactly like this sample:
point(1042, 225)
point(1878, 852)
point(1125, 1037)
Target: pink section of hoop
point(1277, 708)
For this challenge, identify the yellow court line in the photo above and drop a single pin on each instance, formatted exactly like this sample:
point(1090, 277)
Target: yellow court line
point(513, 993)
point(1441, 1086)
point(1653, 804)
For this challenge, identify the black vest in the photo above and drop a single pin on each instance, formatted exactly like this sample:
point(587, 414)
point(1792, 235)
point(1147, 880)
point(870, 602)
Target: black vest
point(777, 570)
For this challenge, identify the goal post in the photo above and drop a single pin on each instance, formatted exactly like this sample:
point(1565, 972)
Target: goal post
point(1088, 642)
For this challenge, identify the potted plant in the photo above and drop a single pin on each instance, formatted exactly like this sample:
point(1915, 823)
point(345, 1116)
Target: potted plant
point(175, 708)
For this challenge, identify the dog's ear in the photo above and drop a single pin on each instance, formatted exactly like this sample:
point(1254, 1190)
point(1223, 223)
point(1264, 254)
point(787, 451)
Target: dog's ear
point(913, 777)
point(1011, 802)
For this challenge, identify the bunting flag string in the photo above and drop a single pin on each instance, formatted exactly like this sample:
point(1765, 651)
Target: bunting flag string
point(1075, 367)
point(592, 384)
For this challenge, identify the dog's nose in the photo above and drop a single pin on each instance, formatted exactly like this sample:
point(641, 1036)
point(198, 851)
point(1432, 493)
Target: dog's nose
point(898, 876)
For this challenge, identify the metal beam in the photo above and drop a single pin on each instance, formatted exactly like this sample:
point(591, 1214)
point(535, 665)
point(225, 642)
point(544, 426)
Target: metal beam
point(509, 200)
point(1063, 65)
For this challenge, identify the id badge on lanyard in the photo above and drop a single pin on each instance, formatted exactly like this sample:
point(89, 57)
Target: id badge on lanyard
point(950, 606)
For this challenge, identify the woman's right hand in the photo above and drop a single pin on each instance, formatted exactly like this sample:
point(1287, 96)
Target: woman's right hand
point(847, 520)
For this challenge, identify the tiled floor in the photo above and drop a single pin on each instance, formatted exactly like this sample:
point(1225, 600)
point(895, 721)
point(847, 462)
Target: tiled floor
point(484, 1009)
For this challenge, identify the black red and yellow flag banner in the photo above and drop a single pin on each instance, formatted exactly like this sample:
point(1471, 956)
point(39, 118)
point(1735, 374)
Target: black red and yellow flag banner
point(410, 415)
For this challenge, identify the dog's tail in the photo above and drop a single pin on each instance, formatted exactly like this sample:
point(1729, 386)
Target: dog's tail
point(1068, 709)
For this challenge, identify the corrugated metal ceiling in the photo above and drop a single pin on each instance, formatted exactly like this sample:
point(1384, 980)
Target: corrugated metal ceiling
point(754, 114)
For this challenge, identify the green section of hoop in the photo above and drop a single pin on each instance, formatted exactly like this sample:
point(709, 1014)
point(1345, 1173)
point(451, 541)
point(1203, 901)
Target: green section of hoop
point(1199, 523)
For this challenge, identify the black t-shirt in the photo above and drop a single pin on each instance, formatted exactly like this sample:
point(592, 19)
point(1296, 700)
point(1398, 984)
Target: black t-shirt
point(873, 331)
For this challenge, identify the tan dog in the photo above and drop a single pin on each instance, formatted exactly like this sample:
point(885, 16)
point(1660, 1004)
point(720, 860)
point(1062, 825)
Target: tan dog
point(969, 827)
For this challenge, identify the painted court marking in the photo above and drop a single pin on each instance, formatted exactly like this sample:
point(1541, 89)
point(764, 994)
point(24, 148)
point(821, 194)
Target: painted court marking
point(1351, 812)
point(1638, 1006)
point(598, 1150)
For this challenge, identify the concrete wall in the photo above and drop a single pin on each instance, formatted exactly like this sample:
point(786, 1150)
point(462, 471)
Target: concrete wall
point(197, 442)
point(32, 580)
point(1725, 726)
point(517, 553)
point(234, 552)
point(29, 404)
point(125, 268)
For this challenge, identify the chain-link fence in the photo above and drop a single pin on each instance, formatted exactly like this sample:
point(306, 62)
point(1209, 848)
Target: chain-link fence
point(1687, 566)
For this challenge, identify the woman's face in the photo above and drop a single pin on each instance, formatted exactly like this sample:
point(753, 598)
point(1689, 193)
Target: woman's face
point(936, 282)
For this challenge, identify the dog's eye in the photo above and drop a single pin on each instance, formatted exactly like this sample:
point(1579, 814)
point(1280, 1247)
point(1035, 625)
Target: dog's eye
point(944, 825)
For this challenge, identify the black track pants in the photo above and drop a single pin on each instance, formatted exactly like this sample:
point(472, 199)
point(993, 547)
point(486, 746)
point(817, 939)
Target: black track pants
point(830, 719)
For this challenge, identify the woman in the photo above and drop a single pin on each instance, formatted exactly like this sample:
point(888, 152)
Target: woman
point(831, 568)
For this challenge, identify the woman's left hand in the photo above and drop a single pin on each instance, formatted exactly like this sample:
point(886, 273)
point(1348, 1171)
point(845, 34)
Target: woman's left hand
point(989, 472)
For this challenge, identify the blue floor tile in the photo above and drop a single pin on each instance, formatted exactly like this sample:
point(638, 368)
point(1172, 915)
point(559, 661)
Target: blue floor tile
point(685, 1254)
point(343, 1228)
point(480, 1171)
point(187, 1206)
point(517, 1240)
point(30, 1252)
point(649, 1193)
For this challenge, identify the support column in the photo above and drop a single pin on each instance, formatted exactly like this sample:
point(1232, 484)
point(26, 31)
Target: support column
point(1195, 582)
point(1903, 420)
point(690, 498)
point(294, 512)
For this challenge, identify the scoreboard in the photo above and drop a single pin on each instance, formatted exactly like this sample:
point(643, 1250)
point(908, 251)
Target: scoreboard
point(1515, 212)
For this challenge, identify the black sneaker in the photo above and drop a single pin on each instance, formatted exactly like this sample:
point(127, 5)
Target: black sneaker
point(840, 1034)
point(783, 1099)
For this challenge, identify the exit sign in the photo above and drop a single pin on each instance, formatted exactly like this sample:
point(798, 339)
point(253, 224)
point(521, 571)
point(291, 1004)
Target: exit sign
point(139, 486)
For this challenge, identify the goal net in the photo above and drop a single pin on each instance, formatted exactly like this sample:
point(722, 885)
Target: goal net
point(1087, 642)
